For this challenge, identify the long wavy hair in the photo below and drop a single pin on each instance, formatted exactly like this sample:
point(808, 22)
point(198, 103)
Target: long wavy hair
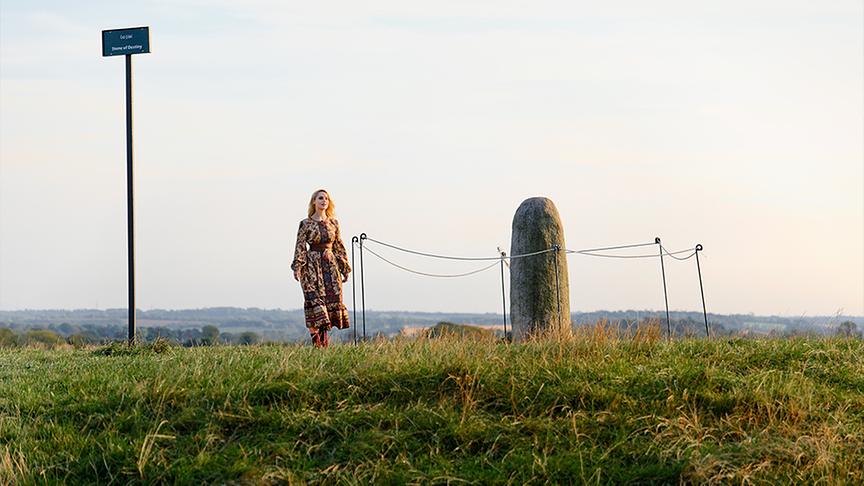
point(331, 208)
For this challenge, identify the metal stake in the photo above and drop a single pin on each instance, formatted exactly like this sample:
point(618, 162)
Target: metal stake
point(362, 286)
point(557, 285)
point(704, 311)
point(354, 240)
point(665, 295)
point(503, 298)
point(130, 208)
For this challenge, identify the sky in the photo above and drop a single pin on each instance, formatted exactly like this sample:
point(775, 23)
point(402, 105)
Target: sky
point(738, 125)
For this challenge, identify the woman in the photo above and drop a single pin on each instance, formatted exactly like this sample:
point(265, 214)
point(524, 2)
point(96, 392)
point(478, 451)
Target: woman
point(321, 269)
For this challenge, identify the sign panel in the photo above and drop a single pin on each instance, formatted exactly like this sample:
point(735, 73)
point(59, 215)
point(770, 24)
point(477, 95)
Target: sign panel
point(120, 42)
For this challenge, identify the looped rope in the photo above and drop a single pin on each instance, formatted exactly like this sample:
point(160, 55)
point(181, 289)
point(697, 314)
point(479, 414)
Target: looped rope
point(447, 257)
point(672, 254)
point(621, 247)
point(438, 275)
point(665, 253)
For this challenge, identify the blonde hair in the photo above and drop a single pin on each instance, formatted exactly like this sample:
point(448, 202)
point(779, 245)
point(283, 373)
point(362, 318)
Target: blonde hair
point(331, 208)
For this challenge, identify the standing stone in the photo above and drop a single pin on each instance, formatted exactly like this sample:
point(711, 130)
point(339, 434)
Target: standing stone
point(534, 296)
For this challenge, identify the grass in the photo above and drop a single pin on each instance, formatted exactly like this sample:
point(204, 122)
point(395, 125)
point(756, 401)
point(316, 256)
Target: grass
point(594, 408)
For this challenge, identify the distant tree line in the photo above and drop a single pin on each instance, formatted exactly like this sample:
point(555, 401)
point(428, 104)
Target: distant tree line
point(695, 327)
point(195, 327)
point(848, 329)
point(55, 335)
point(86, 335)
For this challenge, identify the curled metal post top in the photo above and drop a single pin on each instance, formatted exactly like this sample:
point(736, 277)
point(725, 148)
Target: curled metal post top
point(657, 240)
point(354, 239)
point(362, 236)
point(699, 247)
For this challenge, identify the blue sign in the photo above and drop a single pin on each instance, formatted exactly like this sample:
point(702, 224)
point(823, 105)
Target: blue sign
point(121, 42)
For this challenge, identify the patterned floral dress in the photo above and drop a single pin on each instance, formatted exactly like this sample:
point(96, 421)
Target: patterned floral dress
point(320, 256)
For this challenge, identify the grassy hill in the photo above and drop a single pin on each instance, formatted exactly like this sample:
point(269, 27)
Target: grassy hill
point(592, 409)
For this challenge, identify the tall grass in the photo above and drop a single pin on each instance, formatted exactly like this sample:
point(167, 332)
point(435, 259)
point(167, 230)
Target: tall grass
point(595, 407)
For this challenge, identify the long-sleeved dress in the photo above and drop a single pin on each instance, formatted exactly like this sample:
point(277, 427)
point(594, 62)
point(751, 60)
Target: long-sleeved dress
point(321, 265)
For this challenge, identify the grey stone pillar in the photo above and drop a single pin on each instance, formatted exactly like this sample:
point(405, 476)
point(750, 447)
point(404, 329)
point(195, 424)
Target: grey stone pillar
point(534, 295)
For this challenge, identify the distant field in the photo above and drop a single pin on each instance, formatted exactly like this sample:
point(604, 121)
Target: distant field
point(593, 409)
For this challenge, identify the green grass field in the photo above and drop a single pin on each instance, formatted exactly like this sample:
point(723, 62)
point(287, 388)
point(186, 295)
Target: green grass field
point(592, 409)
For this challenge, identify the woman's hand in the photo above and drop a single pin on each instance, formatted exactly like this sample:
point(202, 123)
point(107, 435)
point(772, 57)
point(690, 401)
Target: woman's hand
point(297, 275)
point(345, 277)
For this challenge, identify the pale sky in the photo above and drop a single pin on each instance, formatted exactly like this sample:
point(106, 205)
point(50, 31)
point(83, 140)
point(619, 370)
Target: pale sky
point(736, 124)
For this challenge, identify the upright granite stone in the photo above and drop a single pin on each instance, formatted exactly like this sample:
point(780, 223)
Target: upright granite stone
point(534, 296)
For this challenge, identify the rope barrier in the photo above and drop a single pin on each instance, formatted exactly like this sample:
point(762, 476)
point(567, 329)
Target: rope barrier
point(672, 254)
point(621, 247)
point(448, 257)
point(666, 253)
point(433, 274)
point(587, 252)
point(432, 255)
point(502, 259)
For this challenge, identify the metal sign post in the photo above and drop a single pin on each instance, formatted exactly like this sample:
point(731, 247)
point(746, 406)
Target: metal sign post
point(126, 42)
